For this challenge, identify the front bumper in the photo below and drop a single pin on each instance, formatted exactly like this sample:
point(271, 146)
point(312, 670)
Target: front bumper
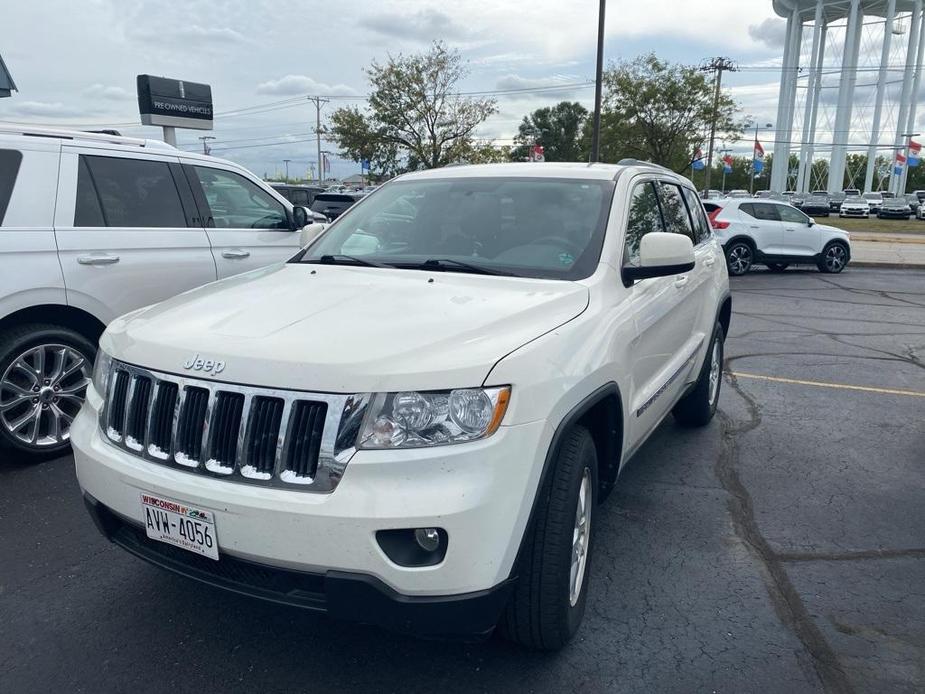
point(480, 493)
point(343, 595)
point(854, 213)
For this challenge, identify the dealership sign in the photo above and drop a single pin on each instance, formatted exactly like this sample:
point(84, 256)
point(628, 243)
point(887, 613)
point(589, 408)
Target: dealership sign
point(174, 103)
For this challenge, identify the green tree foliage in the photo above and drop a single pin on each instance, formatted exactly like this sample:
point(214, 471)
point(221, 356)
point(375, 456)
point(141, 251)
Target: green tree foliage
point(660, 112)
point(414, 111)
point(557, 128)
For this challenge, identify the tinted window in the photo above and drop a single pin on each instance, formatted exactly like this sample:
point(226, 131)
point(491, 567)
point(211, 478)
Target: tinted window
point(762, 210)
point(694, 206)
point(135, 192)
point(297, 196)
point(674, 211)
point(87, 211)
point(791, 215)
point(236, 203)
point(533, 227)
point(10, 160)
point(644, 217)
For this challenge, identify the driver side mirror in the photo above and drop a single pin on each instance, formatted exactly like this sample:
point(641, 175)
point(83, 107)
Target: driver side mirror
point(661, 254)
point(300, 217)
point(811, 222)
point(310, 232)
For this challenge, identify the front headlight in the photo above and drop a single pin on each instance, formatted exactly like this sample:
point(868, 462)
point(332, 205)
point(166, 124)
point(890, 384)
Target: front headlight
point(418, 419)
point(101, 369)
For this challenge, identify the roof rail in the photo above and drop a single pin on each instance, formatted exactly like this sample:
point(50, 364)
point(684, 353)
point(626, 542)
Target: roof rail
point(112, 137)
point(640, 162)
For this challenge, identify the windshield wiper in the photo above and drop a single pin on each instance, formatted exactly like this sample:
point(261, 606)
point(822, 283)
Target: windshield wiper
point(448, 263)
point(340, 259)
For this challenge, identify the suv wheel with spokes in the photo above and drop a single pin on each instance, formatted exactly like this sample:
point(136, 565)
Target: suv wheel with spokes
point(44, 374)
point(739, 258)
point(834, 258)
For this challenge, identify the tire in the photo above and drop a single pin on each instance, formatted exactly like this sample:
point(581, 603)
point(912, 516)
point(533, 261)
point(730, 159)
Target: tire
point(547, 605)
point(777, 267)
point(834, 258)
point(697, 408)
point(44, 373)
point(739, 258)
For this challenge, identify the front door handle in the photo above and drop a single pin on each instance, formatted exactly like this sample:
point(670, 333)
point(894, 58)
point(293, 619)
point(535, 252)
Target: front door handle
point(97, 259)
point(680, 281)
point(709, 260)
point(233, 253)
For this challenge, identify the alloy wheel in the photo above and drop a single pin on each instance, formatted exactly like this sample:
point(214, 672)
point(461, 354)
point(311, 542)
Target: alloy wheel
point(740, 259)
point(716, 370)
point(41, 392)
point(835, 258)
point(581, 535)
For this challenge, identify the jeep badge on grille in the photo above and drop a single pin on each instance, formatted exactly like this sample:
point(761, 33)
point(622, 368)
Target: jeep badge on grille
point(209, 366)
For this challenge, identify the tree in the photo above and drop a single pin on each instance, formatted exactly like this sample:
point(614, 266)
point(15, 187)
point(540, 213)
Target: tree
point(659, 111)
point(415, 108)
point(557, 128)
point(470, 152)
point(360, 139)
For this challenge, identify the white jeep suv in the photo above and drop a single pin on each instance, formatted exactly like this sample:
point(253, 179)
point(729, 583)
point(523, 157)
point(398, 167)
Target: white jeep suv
point(93, 225)
point(413, 422)
point(777, 235)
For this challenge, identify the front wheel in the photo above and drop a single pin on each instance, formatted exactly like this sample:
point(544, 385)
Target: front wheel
point(697, 408)
point(739, 257)
point(44, 374)
point(834, 258)
point(549, 598)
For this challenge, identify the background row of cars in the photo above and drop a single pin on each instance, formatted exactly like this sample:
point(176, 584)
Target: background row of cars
point(848, 203)
point(330, 202)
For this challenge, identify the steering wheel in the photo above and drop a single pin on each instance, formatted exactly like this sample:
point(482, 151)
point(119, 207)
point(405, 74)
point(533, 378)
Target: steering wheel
point(562, 241)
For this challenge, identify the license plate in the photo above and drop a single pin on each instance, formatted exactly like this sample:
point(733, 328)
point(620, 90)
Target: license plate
point(180, 525)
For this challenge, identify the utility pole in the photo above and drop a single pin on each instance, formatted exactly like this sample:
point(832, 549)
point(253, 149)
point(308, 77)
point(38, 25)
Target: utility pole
point(205, 148)
point(717, 66)
point(319, 102)
point(598, 86)
point(286, 162)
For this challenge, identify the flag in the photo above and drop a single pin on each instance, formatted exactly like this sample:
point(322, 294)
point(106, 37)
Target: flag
point(537, 153)
point(759, 157)
point(697, 162)
point(915, 149)
point(899, 164)
point(727, 164)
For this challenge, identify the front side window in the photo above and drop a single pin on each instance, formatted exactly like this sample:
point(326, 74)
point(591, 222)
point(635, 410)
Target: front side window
point(674, 211)
point(10, 159)
point(644, 217)
point(236, 203)
point(531, 227)
point(791, 215)
point(130, 193)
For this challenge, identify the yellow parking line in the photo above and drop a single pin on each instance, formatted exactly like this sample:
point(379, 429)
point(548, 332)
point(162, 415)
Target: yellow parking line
point(824, 384)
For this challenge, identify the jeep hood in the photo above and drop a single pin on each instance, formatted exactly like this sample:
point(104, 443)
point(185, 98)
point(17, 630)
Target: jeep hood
point(346, 329)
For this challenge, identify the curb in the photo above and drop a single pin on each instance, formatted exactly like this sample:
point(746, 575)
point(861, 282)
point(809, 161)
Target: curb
point(885, 266)
point(870, 238)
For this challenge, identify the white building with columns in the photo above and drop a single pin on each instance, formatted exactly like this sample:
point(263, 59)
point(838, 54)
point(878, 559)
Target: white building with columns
point(849, 84)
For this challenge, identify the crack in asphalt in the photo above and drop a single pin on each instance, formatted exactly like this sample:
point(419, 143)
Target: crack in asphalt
point(859, 555)
point(784, 597)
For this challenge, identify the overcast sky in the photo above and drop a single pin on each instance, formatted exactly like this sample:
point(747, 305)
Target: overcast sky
point(75, 61)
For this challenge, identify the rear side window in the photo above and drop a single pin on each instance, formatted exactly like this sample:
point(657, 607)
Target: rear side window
point(297, 196)
point(131, 193)
point(674, 211)
point(761, 210)
point(10, 159)
point(644, 217)
point(698, 217)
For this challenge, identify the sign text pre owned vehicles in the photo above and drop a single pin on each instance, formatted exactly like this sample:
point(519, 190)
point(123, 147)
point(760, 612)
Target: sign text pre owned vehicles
point(419, 414)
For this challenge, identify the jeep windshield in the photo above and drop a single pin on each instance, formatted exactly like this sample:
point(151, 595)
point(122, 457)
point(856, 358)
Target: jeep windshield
point(549, 228)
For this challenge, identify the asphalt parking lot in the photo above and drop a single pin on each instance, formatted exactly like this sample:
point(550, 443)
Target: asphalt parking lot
point(782, 548)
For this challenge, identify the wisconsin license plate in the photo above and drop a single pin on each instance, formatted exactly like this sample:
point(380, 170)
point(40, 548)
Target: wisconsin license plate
point(180, 525)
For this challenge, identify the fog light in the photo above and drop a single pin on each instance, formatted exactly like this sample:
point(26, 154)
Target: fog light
point(428, 539)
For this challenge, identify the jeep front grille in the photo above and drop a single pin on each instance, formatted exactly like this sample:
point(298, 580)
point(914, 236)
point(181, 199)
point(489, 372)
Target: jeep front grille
point(254, 435)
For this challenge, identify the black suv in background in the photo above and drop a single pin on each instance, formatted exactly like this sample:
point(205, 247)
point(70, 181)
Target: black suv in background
point(297, 194)
point(332, 205)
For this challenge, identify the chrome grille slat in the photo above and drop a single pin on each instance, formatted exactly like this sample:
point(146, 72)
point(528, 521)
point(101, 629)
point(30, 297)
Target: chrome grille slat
point(238, 433)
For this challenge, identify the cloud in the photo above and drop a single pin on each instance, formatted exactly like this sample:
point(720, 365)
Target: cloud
point(193, 35)
point(293, 85)
point(424, 25)
point(45, 109)
point(541, 85)
point(112, 93)
point(771, 32)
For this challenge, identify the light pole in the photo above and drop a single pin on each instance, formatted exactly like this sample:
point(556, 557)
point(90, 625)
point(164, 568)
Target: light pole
point(598, 86)
point(286, 162)
point(751, 182)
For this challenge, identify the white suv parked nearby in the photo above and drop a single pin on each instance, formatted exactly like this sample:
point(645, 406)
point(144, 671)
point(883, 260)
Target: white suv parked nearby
point(414, 421)
point(93, 226)
point(777, 235)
